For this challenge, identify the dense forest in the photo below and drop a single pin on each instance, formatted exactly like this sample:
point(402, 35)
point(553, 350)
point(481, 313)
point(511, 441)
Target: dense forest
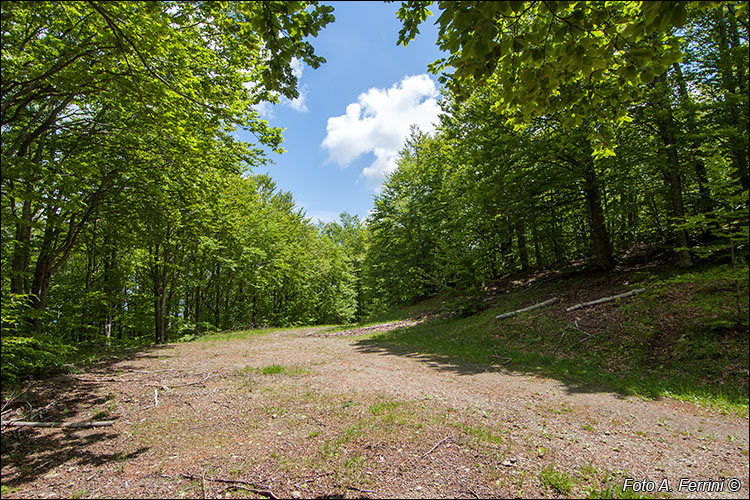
point(131, 213)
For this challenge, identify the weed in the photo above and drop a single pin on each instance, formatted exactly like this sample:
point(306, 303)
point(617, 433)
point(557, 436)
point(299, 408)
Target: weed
point(80, 493)
point(272, 369)
point(384, 406)
point(558, 481)
point(480, 433)
point(679, 341)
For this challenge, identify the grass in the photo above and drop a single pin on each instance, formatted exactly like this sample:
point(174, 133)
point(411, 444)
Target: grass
point(560, 482)
point(683, 339)
point(243, 334)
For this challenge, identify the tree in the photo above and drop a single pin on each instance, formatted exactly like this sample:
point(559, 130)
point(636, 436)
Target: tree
point(81, 80)
point(585, 60)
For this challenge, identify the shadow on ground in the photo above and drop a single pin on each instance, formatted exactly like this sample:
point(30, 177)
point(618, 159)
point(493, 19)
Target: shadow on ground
point(436, 345)
point(34, 452)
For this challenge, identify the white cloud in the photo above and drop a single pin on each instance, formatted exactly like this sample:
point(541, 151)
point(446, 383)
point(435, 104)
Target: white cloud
point(297, 67)
point(379, 123)
point(264, 109)
point(298, 104)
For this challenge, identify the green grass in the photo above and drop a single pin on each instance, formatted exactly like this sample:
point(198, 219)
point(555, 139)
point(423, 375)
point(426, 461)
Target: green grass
point(241, 334)
point(557, 481)
point(683, 339)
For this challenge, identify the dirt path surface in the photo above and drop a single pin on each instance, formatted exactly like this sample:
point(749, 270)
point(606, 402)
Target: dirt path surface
point(300, 414)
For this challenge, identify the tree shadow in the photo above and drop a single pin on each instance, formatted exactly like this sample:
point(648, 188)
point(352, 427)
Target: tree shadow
point(434, 344)
point(34, 452)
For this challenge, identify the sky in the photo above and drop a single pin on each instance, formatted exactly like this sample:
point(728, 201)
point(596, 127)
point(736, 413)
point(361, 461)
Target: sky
point(354, 112)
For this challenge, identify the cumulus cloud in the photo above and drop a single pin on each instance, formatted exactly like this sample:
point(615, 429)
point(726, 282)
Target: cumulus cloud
point(379, 122)
point(297, 67)
point(299, 104)
point(264, 109)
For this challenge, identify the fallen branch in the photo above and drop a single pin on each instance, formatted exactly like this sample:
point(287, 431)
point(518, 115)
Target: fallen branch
point(247, 485)
point(502, 360)
point(297, 485)
point(535, 306)
point(435, 447)
point(158, 371)
point(19, 423)
point(354, 488)
point(165, 387)
point(605, 299)
point(573, 326)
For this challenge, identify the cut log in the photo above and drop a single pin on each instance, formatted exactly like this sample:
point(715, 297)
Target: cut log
point(605, 299)
point(535, 306)
point(19, 423)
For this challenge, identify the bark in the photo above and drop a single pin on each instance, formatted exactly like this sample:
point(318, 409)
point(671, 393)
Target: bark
point(666, 125)
point(705, 203)
point(599, 236)
point(217, 298)
point(537, 250)
point(737, 145)
point(20, 261)
point(605, 299)
point(198, 310)
point(523, 252)
point(22, 249)
point(553, 300)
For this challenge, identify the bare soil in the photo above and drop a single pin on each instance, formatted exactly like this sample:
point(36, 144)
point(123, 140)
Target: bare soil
point(344, 419)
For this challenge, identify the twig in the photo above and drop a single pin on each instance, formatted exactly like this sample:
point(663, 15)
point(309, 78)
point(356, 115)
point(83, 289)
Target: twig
point(156, 398)
point(250, 487)
point(360, 490)
point(504, 360)
point(100, 423)
point(605, 299)
point(561, 341)
point(13, 396)
point(163, 386)
point(469, 490)
point(107, 379)
point(535, 306)
point(323, 474)
point(436, 445)
point(203, 483)
point(158, 371)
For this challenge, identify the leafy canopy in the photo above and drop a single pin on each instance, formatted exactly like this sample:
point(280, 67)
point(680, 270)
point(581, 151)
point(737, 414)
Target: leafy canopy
point(586, 59)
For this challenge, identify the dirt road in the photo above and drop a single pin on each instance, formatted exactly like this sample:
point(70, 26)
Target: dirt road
point(297, 414)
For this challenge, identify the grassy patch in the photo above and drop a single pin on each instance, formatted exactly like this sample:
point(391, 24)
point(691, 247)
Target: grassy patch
point(683, 339)
point(559, 482)
point(272, 369)
point(240, 334)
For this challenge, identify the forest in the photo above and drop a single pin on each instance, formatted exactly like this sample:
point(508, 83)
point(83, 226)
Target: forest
point(131, 213)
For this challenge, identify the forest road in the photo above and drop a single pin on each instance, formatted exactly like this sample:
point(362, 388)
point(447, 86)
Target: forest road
point(299, 413)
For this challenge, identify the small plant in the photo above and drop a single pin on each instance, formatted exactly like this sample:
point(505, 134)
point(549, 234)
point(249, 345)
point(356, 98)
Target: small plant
point(272, 369)
point(558, 481)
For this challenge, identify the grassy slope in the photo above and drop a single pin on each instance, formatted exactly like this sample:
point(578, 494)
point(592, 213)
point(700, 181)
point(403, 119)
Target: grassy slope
point(686, 337)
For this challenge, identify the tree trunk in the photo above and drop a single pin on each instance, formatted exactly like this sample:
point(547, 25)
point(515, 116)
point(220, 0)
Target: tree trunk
point(217, 301)
point(20, 261)
point(705, 203)
point(599, 236)
point(523, 252)
point(666, 126)
point(198, 310)
point(737, 143)
point(42, 273)
point(537, 250)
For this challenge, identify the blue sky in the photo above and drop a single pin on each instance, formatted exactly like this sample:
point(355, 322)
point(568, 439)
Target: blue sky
point(354, 111)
